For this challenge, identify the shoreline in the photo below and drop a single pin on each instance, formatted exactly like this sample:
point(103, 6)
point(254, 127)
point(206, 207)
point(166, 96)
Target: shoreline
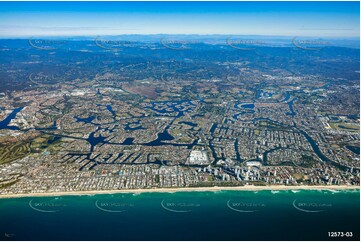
point(184, 189)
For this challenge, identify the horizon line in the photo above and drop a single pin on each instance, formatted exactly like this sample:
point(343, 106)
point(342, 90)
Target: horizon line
point(163, 34)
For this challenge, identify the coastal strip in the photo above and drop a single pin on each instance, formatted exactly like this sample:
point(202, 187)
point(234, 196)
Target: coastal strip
point(184, 189)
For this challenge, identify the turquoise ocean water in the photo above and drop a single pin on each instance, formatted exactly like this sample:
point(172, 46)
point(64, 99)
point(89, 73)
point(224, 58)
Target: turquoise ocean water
point(224, 215)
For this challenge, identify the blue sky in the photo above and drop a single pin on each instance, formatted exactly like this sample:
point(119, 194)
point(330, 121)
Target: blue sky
point(24, 19)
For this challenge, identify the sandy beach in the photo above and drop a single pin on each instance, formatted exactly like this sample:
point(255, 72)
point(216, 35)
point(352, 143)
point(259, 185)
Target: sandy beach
point(184, 189)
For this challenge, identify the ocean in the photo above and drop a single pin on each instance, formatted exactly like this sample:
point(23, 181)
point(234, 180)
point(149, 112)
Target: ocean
point(223, 215)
